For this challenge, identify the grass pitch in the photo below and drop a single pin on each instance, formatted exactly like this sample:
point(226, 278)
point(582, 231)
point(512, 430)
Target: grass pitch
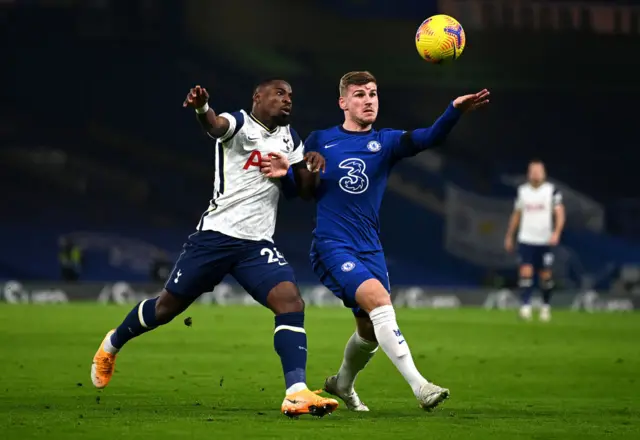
point(577, 377)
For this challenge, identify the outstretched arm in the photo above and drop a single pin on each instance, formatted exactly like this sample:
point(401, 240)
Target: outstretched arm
point(416, 141)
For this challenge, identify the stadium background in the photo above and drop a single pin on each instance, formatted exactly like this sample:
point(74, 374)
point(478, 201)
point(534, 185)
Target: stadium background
point(96, 145)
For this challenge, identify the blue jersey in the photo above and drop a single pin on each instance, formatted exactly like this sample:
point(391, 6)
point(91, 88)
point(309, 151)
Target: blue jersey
point(357, 168)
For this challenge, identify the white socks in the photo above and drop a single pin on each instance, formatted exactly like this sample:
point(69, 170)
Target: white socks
point(295, 388)
point(394, 345)
point(108, 347)
point(357, 354)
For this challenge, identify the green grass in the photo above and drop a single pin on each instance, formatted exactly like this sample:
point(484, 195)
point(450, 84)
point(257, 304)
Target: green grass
point(577, 377)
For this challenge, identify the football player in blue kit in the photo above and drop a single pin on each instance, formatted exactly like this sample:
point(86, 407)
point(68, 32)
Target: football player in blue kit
point(346, 253)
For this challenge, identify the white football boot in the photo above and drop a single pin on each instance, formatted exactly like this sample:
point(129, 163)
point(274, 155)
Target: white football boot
point(351, 400)
point(431, 395)
point(545, 313)
point(526, 312)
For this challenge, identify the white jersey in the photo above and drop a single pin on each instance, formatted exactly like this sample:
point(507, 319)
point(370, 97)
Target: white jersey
point(537, 206)
point(245, 202)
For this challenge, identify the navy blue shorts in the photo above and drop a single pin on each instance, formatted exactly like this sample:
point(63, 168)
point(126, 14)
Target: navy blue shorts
point(208, 256)
point(342, 270)
point(538, 256)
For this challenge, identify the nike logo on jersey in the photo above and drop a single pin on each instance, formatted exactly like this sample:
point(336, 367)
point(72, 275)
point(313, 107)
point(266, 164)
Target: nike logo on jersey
point(331, 145)
point(253, 138)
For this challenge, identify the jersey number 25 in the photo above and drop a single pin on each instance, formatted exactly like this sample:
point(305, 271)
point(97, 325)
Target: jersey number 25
point(274, 256)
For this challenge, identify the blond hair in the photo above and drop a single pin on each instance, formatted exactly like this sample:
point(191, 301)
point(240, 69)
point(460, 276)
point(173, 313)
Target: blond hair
point(357, 78)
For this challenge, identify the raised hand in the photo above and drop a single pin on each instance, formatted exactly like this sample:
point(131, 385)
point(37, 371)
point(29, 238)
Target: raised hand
point(472, 102)
point(196, 98)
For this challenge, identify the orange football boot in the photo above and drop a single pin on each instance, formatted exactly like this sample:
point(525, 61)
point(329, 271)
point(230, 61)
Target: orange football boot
point(103, 366)
point(308, 402)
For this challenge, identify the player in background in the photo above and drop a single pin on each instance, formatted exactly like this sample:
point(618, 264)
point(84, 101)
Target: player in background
point(346, 253)
point(235, 236)
point(540, 214)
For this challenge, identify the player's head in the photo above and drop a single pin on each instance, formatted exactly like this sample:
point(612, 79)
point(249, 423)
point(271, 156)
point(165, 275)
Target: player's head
point(536, 174)
point(272, 101)
point(359, 98)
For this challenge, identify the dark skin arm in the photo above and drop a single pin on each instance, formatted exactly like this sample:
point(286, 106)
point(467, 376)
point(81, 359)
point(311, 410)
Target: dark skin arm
point(307, 181)
point(198, 98)
point(306, 173)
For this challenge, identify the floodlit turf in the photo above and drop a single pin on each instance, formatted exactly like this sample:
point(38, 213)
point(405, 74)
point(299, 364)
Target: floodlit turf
point(575, 378)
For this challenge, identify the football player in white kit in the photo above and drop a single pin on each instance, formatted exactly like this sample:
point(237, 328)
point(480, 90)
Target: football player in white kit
point(540, 214)
point(235, 237)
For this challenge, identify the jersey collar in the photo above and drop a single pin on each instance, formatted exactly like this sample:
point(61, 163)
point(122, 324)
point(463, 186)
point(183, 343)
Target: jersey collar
point(355, 133)
point(257, 121)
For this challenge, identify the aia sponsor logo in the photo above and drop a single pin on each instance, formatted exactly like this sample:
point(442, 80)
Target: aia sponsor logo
point(535, 206)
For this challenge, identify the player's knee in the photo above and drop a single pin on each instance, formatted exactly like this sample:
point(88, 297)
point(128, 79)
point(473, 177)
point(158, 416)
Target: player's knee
point(285, 298)
point(546, 282)
point(526, 271)
point(372, 294)
point(545, 275)
point(168, 306)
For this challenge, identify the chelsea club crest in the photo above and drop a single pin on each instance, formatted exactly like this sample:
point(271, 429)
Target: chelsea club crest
point(348, 266)
point(374, 146)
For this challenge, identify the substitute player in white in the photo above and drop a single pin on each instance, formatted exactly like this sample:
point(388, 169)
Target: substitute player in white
point(540, 214)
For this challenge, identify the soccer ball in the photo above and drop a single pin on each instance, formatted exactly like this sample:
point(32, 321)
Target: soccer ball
point(440, 38)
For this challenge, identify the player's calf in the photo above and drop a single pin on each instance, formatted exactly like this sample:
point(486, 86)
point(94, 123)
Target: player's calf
point(374, 299)
point(290, 342)
point(360, 349)
point(365, 328)
point(290, 337)
point(546, 285)
point(146, 316)
point(526, 290)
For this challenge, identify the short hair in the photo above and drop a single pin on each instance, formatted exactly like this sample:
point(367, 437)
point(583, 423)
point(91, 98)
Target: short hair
point(357, 78)
point(268, 81)
point(536, 161)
